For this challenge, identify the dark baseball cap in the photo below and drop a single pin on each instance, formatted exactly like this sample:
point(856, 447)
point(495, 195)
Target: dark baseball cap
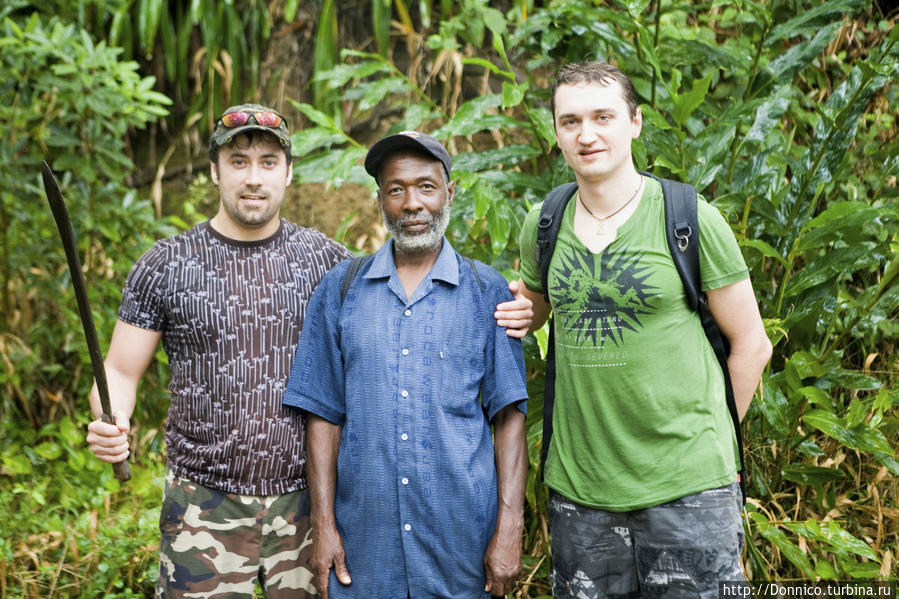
point(406, 140)
point(248, 117)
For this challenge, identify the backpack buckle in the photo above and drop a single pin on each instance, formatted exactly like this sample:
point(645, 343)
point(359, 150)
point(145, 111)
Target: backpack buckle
point(683, 237)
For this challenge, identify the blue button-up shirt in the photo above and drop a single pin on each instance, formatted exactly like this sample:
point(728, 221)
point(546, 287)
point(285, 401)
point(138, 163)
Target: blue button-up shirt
point(413, 382)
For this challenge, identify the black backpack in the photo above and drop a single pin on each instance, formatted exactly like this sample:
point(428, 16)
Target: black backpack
point(682, 233)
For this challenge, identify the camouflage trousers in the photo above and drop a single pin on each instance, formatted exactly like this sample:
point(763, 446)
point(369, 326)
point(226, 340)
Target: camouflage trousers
point(683, 548)
point(216, 544)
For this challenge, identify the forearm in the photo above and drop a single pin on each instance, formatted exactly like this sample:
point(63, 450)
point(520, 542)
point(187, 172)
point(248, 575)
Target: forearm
point(745, 364)
point(322, 445)
point(541, 307)
point(737, 315)
point(131, 350)
point(510, 452)
point(122, 392)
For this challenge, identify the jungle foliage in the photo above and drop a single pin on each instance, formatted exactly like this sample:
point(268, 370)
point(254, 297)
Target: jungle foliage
point(778, 112)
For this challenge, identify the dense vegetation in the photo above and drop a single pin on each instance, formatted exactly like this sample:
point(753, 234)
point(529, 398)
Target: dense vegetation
point(780, 112)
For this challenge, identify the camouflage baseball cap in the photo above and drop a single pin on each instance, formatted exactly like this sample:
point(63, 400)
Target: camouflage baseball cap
point(246, 117)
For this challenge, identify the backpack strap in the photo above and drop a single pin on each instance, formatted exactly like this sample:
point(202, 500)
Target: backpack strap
point(682, 233)
point(551, 214)
point(548, 228)
point(474, 269)
point(356, 264)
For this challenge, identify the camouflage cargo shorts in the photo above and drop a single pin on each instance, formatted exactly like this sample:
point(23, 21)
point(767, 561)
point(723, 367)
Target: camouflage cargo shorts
point(683, 548)
point(216, 544)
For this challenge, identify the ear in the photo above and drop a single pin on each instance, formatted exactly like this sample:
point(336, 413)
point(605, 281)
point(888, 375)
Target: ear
point(213, 173)
point(637, 123)
point(450, 193)
point(289, 173)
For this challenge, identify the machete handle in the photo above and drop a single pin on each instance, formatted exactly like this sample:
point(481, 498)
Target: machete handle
point(121, 470)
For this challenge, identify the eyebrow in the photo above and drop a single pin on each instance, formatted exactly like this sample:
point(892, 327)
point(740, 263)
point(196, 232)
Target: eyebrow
point(602, 109)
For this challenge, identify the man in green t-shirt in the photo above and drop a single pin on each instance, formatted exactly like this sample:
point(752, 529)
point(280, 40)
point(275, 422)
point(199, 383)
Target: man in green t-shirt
point(642, 464)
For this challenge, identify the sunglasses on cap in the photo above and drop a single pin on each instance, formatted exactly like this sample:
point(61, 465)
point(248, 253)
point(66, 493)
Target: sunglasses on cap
point(241, 117)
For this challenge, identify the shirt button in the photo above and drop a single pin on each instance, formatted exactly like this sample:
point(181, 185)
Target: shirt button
point(405, 481)
point(404, 393)
point(405, 352)
point(404, 436)
point(408, 312)
point(407, 527)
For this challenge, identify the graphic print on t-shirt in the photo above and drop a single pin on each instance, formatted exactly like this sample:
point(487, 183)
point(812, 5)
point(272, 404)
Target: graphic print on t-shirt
point(600, 296)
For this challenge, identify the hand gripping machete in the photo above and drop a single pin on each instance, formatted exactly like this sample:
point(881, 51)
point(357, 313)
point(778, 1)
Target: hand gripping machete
point(54, 196)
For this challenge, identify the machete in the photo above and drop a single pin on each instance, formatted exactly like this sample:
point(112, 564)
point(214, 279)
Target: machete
point(54, 196)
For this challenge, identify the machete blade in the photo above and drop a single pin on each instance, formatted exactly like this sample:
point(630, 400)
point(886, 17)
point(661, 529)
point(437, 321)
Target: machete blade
point(67, 235)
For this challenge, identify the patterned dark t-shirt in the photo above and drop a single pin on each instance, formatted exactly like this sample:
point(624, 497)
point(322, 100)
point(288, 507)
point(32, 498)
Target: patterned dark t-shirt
point(230, 313)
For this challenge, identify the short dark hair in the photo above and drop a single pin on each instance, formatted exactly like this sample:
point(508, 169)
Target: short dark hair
point(252, 137)
point(595, 72)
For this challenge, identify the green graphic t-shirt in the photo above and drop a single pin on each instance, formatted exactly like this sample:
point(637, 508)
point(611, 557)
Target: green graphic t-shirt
point(640, 415)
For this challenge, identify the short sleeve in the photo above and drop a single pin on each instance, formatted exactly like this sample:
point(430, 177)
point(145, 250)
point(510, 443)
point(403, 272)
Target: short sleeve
point(527, 243)
point(720, 260)
point(142, 298)
point(316, 382)
point(504, 380)
point(334, 253)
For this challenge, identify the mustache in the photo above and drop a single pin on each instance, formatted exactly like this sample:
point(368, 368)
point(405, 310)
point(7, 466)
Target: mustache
point(411, 216)
point(253, 192)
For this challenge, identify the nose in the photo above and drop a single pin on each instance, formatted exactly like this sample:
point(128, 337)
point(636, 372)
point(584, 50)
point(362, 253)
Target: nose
point(254, 174)
point(588, 132)
point(412, 200)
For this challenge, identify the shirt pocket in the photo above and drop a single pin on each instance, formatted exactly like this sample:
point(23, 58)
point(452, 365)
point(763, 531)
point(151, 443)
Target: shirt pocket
point(462, 369)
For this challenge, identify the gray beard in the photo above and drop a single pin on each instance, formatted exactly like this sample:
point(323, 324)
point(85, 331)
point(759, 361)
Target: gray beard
point(421, 243)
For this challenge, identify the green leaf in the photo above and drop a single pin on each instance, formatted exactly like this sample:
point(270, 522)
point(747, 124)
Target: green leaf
point(764, 249)
point(769, 114)
point(313, 138)
point(372, 93)
point(807, 474)
point(481, 62)
point(70, 433)
point(16, 464)
point(380, 21)
point(838, 221)
point(816, 396)
point(543, 122)
point(810, 21)
point(834, 535)
point(513, 94)
point(856, 413)
point(49, 450)
point(498, 223)
point(807, 365)
point(861, 437)
point(685, 104)
point(495, 21)
point(318, 117)
point(777, 537)
point(290, 9)
point(786, 66)
point(774, 406)
point(483, 199)
point(508, 156)
point(825, 570)
point(837, 264)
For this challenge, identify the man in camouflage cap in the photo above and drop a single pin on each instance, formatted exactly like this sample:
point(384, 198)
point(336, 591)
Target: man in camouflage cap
point(227, 298)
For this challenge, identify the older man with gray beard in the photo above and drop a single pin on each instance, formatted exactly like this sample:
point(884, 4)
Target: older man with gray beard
point(401, 379)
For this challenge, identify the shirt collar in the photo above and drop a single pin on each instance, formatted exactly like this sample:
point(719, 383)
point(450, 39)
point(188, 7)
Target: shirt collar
point(446, 267)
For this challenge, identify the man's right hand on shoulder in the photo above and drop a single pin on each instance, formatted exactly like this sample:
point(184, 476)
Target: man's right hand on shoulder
point(109, 442)
point(328, 552)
